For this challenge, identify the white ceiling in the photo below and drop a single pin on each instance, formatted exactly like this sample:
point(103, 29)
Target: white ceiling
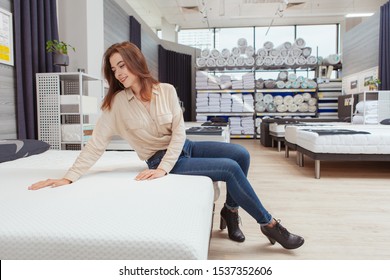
point(234, 13)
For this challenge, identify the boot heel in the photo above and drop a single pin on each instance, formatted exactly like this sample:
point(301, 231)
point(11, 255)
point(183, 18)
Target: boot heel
point(222, 224)
point(271, 240)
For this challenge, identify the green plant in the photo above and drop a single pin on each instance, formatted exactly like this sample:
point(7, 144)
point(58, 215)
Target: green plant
point(58, 47)
point(374, 82)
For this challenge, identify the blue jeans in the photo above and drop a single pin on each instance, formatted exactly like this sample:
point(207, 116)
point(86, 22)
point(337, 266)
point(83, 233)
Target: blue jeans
point(221, 162)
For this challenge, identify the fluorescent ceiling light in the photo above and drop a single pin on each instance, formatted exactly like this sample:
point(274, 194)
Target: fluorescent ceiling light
point(359, 15)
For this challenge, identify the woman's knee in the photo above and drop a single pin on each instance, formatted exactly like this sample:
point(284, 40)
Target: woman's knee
point(241, 152)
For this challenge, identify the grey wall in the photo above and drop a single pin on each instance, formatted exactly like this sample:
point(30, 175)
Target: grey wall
point(361, 46)
point(7, 93)
point(117, 29)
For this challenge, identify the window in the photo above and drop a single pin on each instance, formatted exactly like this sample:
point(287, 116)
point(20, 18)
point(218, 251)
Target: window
point(227, 38)
point(321, 38)
point(276, 34)
point(197, 38)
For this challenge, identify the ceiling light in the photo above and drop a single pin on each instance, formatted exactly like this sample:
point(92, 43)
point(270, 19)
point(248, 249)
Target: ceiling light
point(359, 15)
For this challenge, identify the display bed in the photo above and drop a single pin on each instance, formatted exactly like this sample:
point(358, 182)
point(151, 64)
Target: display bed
point(104, 215)
point(291, 130)
point(348, 143)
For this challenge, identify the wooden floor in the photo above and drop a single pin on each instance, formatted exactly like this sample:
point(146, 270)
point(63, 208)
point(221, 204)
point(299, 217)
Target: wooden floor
point(342, 216)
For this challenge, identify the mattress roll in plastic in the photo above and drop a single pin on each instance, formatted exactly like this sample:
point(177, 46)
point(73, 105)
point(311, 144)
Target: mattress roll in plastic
point(259, 61)
point(284, 46)
point(268, 45)
point(306, 52)
point(235, 52)
point(201, 62)
point(283, 75)
point(249, 51)
point(332, 59)
point(215, 53)
point(225, 53)
point(205, 53)
point(300, 43)
point(262, 52)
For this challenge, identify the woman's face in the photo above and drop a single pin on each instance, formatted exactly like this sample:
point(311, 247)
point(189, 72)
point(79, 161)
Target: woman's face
point(121, 73)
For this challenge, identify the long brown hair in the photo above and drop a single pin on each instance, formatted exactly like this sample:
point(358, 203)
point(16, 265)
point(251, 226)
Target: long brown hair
point(136, 63)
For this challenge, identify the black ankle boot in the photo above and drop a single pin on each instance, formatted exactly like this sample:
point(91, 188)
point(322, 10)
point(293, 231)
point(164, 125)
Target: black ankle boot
point(281, 235)
point(231, 219)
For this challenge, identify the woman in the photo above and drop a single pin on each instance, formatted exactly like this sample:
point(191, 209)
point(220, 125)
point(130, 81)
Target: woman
point(147, 114)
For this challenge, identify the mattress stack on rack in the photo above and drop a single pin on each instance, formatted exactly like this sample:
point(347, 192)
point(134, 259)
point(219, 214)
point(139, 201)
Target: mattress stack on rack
point(241, 125)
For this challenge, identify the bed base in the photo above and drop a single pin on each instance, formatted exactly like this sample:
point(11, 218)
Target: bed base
point(318, 157)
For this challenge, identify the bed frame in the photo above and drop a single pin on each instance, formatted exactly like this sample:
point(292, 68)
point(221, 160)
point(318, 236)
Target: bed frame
point(318, 157)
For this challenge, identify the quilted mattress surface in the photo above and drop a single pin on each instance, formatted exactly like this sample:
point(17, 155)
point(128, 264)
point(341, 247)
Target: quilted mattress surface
point(377, 142)
point(104, 215)
point(291, 130)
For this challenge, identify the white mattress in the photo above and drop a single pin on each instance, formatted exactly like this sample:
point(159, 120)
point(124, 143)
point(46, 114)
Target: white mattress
point(377, 142)
point(104, 215)
point(276, 129)
point(291, 130)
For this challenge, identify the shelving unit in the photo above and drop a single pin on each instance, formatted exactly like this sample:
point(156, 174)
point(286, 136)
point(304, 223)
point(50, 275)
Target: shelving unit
point(66, 112)
point(328, 93)
point(257, 114)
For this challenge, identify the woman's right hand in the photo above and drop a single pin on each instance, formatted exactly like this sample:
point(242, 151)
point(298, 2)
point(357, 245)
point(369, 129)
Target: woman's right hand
point(53, 183)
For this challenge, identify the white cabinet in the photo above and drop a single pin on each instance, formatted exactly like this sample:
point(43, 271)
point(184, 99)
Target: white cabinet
point(68, 105)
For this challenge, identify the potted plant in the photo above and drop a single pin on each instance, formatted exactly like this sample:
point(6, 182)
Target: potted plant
point(60, 50)
point(373, 84)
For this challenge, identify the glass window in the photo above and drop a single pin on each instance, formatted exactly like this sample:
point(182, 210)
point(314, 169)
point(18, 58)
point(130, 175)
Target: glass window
point(197, 38)
point(227, 38)
point(321, 38)
point(276, 34)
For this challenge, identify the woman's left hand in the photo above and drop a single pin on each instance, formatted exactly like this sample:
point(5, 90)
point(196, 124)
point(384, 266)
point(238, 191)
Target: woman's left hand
point(150, 174)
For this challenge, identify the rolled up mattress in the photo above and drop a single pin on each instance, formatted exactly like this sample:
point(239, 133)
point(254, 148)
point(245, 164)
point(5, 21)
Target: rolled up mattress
point(259, 61)
point(300, 43)
point(215, 53)
point(306, 51)
point(205, 53)
point(285, 46)
point(332, 59)
point(268, 45)
point(249, 51)
point(225, 53)
point(236, 52)
point(262, 52)
point(201, 62)
point(283, 75)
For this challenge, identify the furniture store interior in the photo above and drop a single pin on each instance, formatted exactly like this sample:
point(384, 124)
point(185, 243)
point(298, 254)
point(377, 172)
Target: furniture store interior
point(195, 130)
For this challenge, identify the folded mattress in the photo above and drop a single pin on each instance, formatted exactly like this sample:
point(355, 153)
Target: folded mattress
point(104, 215)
